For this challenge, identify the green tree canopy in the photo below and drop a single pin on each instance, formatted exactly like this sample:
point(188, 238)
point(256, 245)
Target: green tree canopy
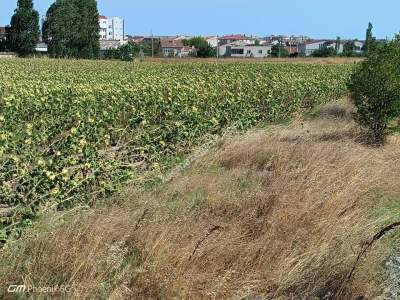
point(203, 47)
point(125, 52)
point(24, 32)
point(369, 39)
point(348, 48)
point(337, 44)
point(324, 52)
point(279, 51)
point(375, 89)
point(71, 29)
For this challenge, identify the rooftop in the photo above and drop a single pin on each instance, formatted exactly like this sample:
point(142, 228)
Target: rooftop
point(236, 37)
point(168, 43)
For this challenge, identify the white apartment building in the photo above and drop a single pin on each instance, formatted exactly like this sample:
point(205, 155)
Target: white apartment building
point(243, 50)
point(111, 28)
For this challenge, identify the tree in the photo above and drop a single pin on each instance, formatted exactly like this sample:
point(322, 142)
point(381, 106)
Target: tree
point(125, 52)
point(59, 28)
point(324, 52)
point(348, 49)
point(279, 51)
point(375, 89)
point(337, 44)
point(151, 46)
point(369, 39)
point(23, 34)
point(88, 33)
point(203, 47)
point(71, 29)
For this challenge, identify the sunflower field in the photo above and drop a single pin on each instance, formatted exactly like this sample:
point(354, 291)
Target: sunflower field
point(71, 132)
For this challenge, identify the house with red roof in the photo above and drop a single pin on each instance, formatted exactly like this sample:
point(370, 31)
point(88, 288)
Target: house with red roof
point(175, 48)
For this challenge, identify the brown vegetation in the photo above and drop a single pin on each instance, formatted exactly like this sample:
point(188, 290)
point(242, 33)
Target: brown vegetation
point(277, 213)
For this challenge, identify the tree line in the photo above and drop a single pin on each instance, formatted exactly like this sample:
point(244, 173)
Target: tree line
point(349, 47)
point(71, 29)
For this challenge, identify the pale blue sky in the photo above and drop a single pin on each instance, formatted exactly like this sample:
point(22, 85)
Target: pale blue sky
point(316, 18)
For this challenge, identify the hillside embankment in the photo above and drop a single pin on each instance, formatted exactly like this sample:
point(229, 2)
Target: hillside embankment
point(276, 213)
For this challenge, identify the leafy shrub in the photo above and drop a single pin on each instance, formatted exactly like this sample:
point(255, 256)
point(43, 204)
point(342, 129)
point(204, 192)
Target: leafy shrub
point(203, 47)
point(124, 52)
point(324, 52)
point(279, 51)
point(375, 89)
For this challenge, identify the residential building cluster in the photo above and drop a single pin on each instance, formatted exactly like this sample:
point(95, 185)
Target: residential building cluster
point(175, 48)
point(309, 47)
point(242, 46)
point(112, 35)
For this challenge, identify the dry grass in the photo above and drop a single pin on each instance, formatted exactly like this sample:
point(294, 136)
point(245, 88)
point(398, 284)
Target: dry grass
point(273, 214)
point(300, 60)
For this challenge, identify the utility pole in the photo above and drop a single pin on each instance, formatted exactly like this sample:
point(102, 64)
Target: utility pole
point(280, 46)
point(217, 46)
point(152, 45)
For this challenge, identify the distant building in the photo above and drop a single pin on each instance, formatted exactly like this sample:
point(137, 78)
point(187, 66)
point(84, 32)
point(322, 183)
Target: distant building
point(358, 47)
point(243, 50)
point(292, 50)
point(227, 39)
point(308, 48)
point(171, 47)
point(41, 48)
point(112, 28)
point(2, 33)
point(212, 41)
point(3, 46)
point(107, 45)
point(182, 37)
point(275, 39)
point(188, 51)
point(175, 48)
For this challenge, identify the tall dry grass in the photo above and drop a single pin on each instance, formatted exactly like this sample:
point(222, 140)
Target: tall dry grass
point(277, 213)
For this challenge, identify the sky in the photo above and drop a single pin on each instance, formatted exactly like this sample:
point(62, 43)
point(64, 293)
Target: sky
point(315, 18)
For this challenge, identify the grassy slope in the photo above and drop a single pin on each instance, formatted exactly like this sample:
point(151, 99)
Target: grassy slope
point(277, 213)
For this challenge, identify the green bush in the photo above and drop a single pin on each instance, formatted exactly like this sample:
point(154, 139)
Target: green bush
point(375, 89)
point(124, 52)
point(324, 52)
